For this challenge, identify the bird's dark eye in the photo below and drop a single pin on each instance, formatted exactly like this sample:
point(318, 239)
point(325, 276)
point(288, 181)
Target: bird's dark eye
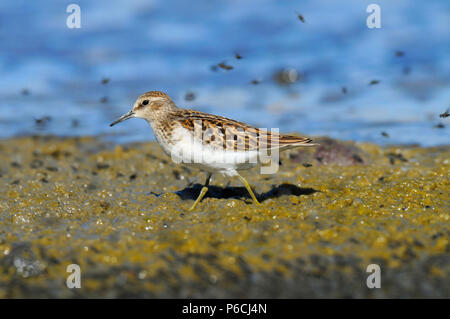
point(145, 102)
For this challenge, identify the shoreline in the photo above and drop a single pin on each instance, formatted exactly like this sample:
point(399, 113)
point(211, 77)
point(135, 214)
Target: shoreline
point(120, 212)
point(110, 138)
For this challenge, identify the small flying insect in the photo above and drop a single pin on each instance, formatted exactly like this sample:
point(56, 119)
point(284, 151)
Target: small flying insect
point(190, 96)
point(406, 70)
point(300, 17)
point(445, 114)
point(225, 66)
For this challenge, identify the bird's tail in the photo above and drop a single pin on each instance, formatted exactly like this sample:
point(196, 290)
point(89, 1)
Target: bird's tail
point(290, 141)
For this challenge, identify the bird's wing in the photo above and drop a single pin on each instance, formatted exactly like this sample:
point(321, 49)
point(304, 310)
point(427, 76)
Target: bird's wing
point(224, 133)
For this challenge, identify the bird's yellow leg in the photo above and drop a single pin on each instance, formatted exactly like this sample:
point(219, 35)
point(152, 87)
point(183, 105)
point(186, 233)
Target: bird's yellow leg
point(202, 193)
point(247, 185)
point(199, 198)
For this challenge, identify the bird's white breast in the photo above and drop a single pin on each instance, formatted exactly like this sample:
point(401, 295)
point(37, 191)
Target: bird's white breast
point(186, 149)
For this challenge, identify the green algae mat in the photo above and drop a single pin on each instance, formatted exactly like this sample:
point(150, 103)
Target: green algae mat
point(119, 213)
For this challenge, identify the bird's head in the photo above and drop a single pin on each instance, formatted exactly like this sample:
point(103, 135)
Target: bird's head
point(148, 106)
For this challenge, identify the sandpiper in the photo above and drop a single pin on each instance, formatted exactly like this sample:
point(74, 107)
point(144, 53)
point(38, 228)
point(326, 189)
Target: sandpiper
point(212, 143)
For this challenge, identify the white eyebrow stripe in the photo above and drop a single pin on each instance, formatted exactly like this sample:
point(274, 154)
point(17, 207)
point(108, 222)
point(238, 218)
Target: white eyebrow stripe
point(154, 98)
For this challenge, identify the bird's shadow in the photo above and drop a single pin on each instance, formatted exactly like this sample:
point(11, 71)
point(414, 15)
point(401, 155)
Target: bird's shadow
point(192, 192)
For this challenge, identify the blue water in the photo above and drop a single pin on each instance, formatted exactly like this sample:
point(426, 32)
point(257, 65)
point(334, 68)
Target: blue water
point(171, 46)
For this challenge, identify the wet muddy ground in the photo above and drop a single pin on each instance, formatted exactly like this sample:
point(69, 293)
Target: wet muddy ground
point(120, 213)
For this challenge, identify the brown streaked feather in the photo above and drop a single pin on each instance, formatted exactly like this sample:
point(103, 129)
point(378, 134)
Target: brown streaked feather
point(155, 94)
point(225, 133)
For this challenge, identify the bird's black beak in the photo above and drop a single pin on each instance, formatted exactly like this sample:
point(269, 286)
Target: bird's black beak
point(124, 117)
